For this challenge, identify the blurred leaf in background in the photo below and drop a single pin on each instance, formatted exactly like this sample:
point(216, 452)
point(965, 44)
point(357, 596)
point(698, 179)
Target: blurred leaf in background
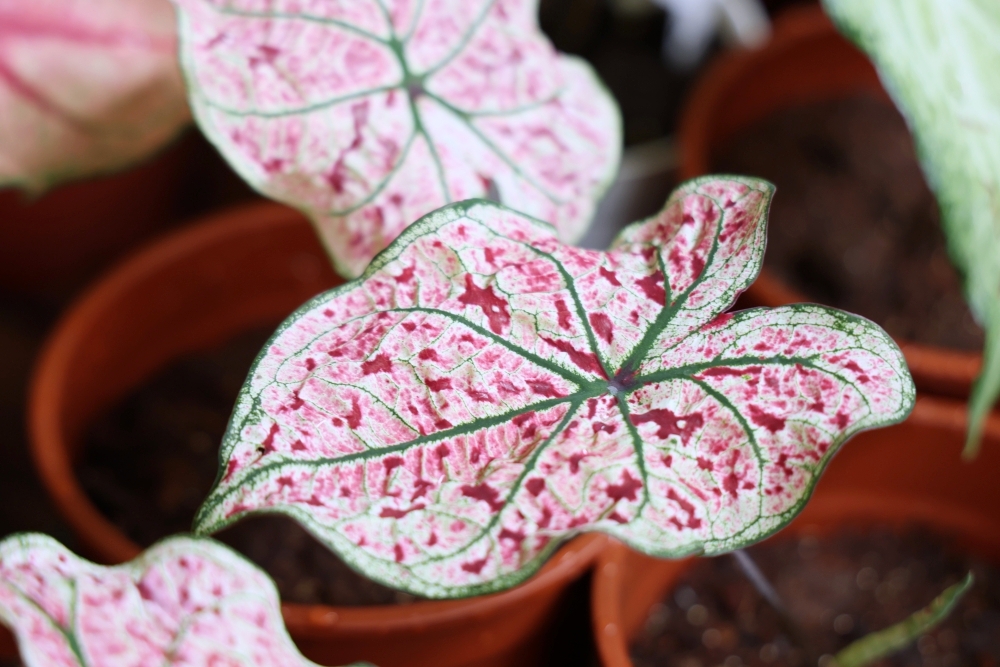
point(940, 59)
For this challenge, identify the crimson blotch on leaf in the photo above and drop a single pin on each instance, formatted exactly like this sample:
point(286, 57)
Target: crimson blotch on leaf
point(483, 392)
point(185, 601)
point(367, 114)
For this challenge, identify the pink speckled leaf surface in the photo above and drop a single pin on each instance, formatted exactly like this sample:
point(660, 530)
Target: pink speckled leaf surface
point(86, 87)
point(368, 114)
point(185, 601)
point(483, 392)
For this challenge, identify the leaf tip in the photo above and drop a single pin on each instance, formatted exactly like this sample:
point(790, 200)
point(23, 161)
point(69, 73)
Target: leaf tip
point(970, 452)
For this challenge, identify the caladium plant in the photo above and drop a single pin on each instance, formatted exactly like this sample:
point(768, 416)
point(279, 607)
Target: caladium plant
point(85, 87)
point(185, 601)
point(483, 392)
point(939, 61)
point(367, 114)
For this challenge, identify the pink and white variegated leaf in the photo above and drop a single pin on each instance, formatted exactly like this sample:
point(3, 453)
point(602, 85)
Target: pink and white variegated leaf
point(185, 601)
point(368, 114)
point(483, 392)
point(86, 87)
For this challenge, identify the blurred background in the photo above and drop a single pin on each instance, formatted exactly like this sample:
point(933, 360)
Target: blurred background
point(853, 225)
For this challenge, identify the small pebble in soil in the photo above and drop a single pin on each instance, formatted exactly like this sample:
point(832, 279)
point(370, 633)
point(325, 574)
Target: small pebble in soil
point(843, 624)
point(697, 615)
point(867, 578)
point(831, 586)
point(768, 653)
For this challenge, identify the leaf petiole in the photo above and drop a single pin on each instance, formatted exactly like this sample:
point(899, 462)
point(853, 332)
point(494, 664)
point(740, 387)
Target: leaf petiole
point(768, 592)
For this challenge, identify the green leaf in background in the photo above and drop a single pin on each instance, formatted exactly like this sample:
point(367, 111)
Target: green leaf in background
point(880, 644)
point(940, 61)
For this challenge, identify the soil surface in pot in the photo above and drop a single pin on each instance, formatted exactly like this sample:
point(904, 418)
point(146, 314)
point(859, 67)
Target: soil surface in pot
point(853, 223)
point(151, 460)
point(838, 588)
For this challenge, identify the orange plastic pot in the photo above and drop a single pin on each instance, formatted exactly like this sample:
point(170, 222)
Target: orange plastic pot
point(805, 61)
point(904, 474)
point(195, 289)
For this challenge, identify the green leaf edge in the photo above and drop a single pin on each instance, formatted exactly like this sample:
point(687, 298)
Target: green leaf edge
point(428, 224)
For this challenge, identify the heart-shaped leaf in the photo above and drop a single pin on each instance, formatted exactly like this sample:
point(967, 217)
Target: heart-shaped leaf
point(184, 601)
point(483, 392)
point(939, 60)
point(85, 87)
point(367, 114)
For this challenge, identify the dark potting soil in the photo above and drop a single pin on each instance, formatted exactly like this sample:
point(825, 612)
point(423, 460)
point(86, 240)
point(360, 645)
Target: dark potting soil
point(838, 588)
point(150, 462)
point(853, 223)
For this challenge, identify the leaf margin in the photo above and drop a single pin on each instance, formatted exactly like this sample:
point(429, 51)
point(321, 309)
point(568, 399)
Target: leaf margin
point(429, 223)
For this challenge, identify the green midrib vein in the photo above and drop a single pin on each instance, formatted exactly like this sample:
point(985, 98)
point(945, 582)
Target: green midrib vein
point(590, 388)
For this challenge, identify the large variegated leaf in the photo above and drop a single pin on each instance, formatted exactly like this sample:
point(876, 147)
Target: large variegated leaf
point(367, 114)
point(85, 87)
point(939, 59)
point(183, 602)
point(483, 392)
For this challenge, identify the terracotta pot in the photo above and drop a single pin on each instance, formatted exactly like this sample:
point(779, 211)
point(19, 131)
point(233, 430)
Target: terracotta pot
point(8, 647)
point(50, 244)
point(196, 289)
point(876, 478)
point(805, 61)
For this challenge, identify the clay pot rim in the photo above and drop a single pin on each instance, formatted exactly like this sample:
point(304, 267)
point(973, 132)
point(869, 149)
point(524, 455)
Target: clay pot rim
point(947, 370)
point(51, 451)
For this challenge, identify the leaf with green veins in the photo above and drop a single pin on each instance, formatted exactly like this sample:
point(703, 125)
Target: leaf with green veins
point(885, 642)
point(939, 60)
point(185, 601)
point(483, 392)
point(85, 87)
point(367, 114)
